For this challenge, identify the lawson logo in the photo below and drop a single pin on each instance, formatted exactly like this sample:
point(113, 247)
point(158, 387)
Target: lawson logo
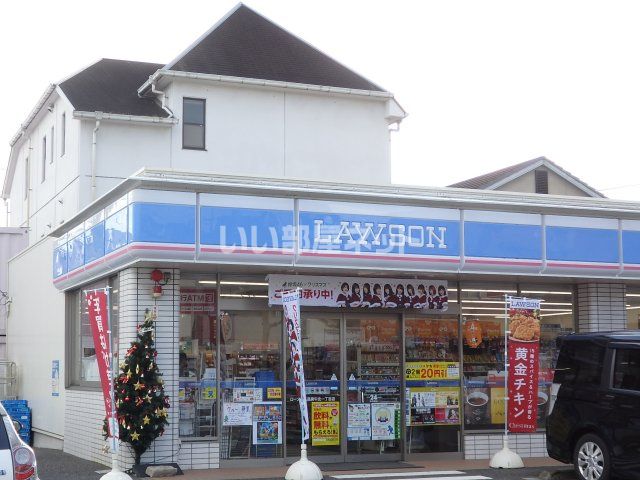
point(371, 235)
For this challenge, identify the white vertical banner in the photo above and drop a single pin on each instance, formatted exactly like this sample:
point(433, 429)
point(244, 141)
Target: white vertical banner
point(291, 305)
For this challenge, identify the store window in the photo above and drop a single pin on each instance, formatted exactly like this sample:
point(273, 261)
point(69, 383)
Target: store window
point(483, 317)
point(321, 357)
point(197, 391)
point(83, 364)
point(251, 384)
point(432, 375)
point(633, 307)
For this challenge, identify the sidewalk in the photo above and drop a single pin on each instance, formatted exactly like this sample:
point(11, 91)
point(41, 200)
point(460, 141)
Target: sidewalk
point(432, 465)
point(56, 465)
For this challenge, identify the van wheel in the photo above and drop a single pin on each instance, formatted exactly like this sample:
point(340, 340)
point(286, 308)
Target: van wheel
point(591, 458)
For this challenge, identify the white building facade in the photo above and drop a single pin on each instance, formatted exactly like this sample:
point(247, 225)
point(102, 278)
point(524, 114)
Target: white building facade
point(253, 159)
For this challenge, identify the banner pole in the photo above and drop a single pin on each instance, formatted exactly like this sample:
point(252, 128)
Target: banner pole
point(506, 368)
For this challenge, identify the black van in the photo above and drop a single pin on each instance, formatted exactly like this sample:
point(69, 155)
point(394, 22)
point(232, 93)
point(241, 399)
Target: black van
point(594, 410)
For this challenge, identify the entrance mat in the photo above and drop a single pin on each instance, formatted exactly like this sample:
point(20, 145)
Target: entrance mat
point(342, 467)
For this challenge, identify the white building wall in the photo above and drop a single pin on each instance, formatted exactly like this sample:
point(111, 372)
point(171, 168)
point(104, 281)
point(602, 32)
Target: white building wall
point(12, 241)
point(122, 148)
point(285, 134)
point(36, 336)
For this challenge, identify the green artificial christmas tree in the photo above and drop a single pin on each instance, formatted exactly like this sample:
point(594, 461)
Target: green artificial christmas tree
point(141, 405)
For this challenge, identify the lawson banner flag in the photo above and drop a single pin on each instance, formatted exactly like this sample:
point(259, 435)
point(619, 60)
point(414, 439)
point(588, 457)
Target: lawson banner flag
point(98, 304)
point(291, 305)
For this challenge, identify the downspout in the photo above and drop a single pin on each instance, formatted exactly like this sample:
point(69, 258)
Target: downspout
point(163, 99)
point(93, 156)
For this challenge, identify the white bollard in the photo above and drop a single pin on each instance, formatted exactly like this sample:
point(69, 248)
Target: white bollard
point(303, 469)
point(506, 458)
point(115, 473)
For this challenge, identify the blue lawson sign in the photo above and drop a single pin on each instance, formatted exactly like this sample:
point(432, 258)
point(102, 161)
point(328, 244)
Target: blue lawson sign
point(180, 226)
point(380, 235)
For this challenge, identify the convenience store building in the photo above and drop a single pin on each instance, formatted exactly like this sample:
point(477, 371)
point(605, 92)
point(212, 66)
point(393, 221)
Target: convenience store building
point(254, 162)
point(394, 377)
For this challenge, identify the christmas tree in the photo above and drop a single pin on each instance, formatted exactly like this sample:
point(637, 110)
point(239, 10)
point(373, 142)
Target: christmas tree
point(141, 405)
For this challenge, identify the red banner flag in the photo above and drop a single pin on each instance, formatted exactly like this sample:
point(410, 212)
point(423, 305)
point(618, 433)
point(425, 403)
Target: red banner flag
point(523, 356)
point(99, 321)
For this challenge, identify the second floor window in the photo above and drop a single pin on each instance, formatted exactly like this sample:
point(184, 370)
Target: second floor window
point(63, 127)
point(193, 123)
point(52, 150)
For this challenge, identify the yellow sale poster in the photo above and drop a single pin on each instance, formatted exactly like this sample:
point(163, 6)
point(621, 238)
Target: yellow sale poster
point(325, 423)
point(274, 393)
point(432, 371)
point(497, 405)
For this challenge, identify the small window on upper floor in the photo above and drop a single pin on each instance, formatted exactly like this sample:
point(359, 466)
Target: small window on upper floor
point(193, 123)
point(63, 133)
point(542, 181)
point(44, 159)
point(52, 151)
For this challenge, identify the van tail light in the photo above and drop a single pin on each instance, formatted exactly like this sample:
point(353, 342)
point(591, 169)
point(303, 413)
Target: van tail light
point(24, 463)
point(24, 460)
point(553, 395)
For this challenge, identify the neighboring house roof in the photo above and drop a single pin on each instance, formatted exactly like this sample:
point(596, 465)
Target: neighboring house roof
point(110, 86)
point(494, 180)
point(246, 44)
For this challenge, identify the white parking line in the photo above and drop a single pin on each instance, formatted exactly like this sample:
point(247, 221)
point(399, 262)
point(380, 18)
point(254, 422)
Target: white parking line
point(427, 475)
point(398, 474)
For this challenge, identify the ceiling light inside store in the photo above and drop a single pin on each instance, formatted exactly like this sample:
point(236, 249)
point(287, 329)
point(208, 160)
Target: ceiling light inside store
point(471, 315)
point(632, 294)
point(633, 308)
point(541, 292)
point(230, 282)
point(486, 291)
point(242, 295)
point(554, 314)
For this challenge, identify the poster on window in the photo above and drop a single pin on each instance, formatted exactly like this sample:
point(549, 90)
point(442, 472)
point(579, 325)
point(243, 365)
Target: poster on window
point(325, 423)
point(523, 359)
point(361, 293)
point(291, 305)
point(434, 406)
point(432, 371)
point(98, 307)
point(247, 395)
point(359, 421)
point(385, 421)
point(236, 414)
point(267, 423)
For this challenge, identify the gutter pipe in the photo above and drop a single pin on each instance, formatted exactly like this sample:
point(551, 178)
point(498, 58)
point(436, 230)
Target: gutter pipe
point(94, 143)
point(163, 98)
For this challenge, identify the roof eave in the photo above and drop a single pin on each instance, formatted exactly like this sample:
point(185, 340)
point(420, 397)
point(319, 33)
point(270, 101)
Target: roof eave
point(257, 82)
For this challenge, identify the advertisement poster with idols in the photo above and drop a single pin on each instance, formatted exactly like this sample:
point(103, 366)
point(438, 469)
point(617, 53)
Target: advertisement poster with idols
point(361, 293)
point(433, 406)
point(267, 423)
point(523, 360)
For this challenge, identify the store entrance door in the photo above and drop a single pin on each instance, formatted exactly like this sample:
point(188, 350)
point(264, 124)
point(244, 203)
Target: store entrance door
point(373, 387)
point(352, 366)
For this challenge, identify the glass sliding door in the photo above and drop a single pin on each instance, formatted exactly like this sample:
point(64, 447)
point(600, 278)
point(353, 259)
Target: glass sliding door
point(321, 356)
point(373, 369)
point(251, 385)
point(432, 373)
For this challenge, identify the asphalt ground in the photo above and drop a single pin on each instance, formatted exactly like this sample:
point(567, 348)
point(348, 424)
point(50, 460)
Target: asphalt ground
point(56, 465)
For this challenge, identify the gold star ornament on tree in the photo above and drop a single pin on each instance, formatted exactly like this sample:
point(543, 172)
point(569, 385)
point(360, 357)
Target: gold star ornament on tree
point(135, 436)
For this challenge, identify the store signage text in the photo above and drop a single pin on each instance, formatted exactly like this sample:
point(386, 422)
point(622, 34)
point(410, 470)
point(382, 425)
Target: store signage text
point(370, 234)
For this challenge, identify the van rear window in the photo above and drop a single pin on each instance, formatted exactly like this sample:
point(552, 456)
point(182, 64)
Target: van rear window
point(626, 373)
point(579, 363)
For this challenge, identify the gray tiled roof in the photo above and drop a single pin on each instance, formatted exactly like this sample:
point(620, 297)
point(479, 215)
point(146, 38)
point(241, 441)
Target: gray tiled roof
point(110, 86)
point(245, 44)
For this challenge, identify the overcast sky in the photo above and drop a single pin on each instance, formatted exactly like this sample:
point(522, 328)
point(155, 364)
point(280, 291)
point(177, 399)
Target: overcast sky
point(486, 83)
